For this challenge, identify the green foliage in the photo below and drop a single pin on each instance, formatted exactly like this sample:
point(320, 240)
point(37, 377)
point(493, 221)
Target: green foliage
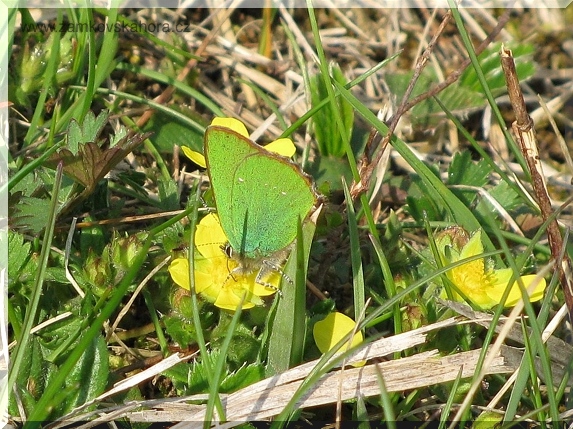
point(86, 160)
point(466, 94)
point(29, 74)
point(106, 268)
point(169, 131)
point(87, 132)
point(191, 378)
point(87, 379)
point(168, 194)
point(325, 125)
point(464, 171)
point(489, 63)
point(19, 252)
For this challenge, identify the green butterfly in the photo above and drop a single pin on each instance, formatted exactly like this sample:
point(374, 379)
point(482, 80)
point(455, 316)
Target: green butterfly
point(260, 197)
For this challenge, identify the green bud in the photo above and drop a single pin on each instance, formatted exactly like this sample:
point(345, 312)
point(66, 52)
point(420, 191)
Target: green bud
point(181, 302)
point(124, 251)
point(98, 272)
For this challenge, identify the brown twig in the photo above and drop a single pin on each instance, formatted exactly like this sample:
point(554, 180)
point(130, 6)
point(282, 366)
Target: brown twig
point(525, 132)
point(367, 167)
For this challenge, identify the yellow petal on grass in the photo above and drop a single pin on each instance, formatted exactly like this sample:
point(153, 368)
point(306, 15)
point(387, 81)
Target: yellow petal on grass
point(333, 328)
point(179, 271)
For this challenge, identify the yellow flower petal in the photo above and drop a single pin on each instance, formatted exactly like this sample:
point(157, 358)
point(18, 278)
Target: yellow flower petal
point(481, 284)
point(228, 300)
point(284, 147)
point(233, 124)
point(501, 281)
point(179, 270)
point(333, 328)
point(196, 157)
point(214, 277)
point(209, 236)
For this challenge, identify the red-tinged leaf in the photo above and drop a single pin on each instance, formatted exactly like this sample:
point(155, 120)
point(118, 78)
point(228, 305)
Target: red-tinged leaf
point(92, 163)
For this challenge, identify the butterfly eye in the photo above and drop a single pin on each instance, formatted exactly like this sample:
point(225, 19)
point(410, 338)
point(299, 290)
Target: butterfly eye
point(227, 250)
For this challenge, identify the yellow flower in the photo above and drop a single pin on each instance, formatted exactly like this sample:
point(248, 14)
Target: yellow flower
point(213, 280)
point(477, 280)
point(333, 328)
point(284, 146)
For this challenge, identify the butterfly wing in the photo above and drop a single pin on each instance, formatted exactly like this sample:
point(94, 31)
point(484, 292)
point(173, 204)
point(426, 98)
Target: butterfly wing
point(259, 195)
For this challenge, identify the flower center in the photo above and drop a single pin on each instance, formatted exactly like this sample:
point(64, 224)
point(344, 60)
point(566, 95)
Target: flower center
point(471, 276)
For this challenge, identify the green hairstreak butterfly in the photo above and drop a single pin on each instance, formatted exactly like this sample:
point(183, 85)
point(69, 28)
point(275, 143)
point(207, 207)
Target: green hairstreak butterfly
point(260, 197)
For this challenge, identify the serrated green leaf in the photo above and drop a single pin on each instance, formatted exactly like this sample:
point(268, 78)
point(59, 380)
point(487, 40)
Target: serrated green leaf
point(243, 377)
point(457, 98)
point(181, 332)
point(30, 214)
point(34, 373)
point(168, 194)
point(92, 163)
point(92, 126)
point(197, 380)
point(466, 94)
point(87, 132)
point(58, 333)
point(464, 171)
point(116, 138)
point(19, 252)
point(504, 195)
point(74, 137)
point(489, 63)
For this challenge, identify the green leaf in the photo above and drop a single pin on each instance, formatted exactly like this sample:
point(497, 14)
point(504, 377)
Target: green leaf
point(243, 377)
point(329, 169)
point(464, 171)
point(88, 378)
point(168, 131)
point(489, 63)
point(117, 137)
point(34, 373)
point(30, 214)
point(19, 252)
point(91, 163)
point(466, 94)
point(286, 332)
point(168, 194)
point(182, 332)
point(75, 136)
point(325, 125)
point(87, 132)
point(505, 195)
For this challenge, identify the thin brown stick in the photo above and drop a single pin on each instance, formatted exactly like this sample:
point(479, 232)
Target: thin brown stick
point(523, 128)
point(368, 165)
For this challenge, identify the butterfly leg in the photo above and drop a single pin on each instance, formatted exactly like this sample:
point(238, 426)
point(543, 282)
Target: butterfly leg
point(266, 269)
